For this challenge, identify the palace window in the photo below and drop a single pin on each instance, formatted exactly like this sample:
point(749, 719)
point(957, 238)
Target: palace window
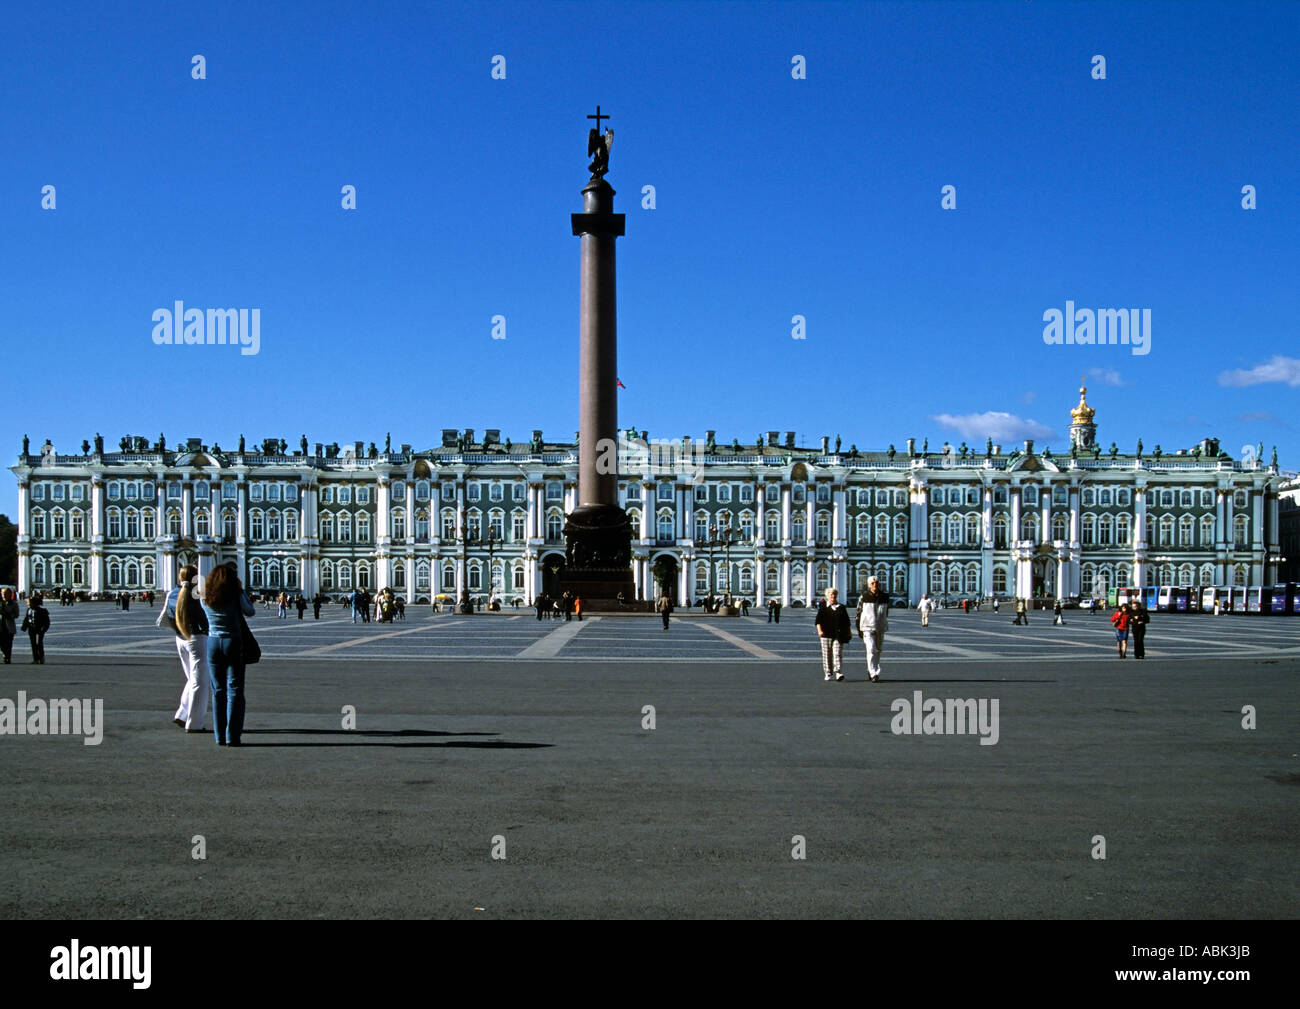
point(823, 492)
point(863, 531)
point(517, 523)
point(496, 492)
point(772, 525)
point(882, 530)
point(363, 495)
point(290, 524)
point(422, 526)
point(363, 528)
point(746, 493)
point(900, 530)
point(257, 525)
point(555, 491)
point(273, 492)
point(701, 493)
point(1207, 531)
point(724, 493)
point(1124, 530)
point(399, 523)
point(345, 495)
point(254, 491)
point(228, 525)
point(448, 524)
point(799, 493)
point(823, 528)
point(1000, 525)
point(345, 528)
point(475, 491)
point(1207, 499)
point(201, 525)
point(936, 496)
point(79, 525)
point(799, 528)
point(229, 491)
point(555, 526)
point(773, 493)
point(273, 524)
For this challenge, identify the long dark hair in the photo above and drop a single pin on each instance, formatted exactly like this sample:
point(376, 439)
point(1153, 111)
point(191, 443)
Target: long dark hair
point(221, 587)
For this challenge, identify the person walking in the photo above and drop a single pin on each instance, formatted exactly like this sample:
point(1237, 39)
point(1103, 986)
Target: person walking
point(665, 608)
point(777, 606)
point(358, 606)
point(833, 632)
point(300, 604)
point(8, 623)
point(316, 601)
point(1138, 618)
point(36, 623)
point(224, 604)
point(872, 623)
point(577, 607)
point(1058, 618)
point(1120, 619)
point(185, 609)
point(995, 605)
point(1022, 612)
point(282, 606)
point(926, 606)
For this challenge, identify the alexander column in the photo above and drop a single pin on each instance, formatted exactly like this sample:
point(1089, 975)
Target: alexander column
point(598, 557)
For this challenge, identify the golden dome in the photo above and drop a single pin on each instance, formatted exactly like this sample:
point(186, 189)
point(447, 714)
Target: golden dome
point(1083, 413)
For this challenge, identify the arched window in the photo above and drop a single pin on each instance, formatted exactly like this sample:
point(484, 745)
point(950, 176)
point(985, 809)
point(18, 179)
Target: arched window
point(228, 520)
point(132, 572)
point(399, 523)
point(273, 525)
point(363, 527)
point(78, 572)
point(59, 527)
point(973, 530)
point(517, 576)
point(701, 526)
point(900, 530)
point(882, 530)
point(114, 524)
point(1089, 530)
point(772, 579)
point(291, 574)
point(822, 578)
point(799, 528)
point(273, 574)
point(972, 579)
point(257, 525)
point(900, 579)
point(1166, 533)
point(56, 572)
point(448, 577)
point(1121, 576)
point(344, 575)
point(291, 523)
point(79, 525)
point(1000, 579)
point(421, 576)
point(474, 572)
point(148, 519)
point(1239, 531)
point(1239, 574)
point(701, 579)
point(1086, 578)
point(1000, 525)
point(326, 575)
point(954, 530)
point(1060, 526)
point(746, 581)
point(1029, 527)
point(448, 524)
point(173, 521)
point(114, 573)
point(345, 527)
point(937, 571)
point(1187, 532)
point(1207, 574)
point(1207, 531)
point(823, 528)
point(1106, 531)
point(256, 574)
point(555, 525)
point(954, 578)
point(399, 575)
point(936, 530)
point(1186, 575)
point(862, 530)
point(202, 527)
point(1124, 530)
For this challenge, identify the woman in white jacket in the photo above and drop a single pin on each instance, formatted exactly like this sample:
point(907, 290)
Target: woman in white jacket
point(873, 622)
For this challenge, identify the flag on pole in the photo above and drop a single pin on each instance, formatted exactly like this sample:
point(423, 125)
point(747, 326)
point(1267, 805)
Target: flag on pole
point(620, 383)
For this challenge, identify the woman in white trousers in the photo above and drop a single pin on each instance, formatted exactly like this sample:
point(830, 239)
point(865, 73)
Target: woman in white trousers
point(192, 646)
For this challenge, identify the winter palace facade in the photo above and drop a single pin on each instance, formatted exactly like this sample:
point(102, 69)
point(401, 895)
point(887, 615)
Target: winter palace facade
point(763, 520)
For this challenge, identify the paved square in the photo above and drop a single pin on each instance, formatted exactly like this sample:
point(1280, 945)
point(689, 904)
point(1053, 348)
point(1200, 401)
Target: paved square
point(469, 728)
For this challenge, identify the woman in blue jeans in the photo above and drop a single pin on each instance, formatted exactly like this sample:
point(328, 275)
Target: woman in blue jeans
point(223, 602)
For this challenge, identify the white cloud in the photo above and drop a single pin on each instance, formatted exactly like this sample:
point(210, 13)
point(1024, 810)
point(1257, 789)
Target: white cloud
point(1279, 369)
point(1001, 427)
point(1107, 376)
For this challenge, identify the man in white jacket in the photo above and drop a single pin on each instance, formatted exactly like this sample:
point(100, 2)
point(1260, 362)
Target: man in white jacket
point(873, 622)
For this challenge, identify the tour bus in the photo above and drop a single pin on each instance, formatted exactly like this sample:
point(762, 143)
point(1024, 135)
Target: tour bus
point(1211, 595)
point(1112, 597)
point(1150, 596)
point(1284, 598)
point(1193, 599)
point(1238, 599)
point(1164, 599)
point(1259, 599)
point(1180, 602)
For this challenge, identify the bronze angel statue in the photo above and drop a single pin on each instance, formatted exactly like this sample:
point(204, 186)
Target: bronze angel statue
point(598, 146)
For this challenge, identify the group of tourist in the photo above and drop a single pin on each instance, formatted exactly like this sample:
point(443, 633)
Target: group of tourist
point(563, 607)
point(835, 629)
point(35, 623)
point(210, 639)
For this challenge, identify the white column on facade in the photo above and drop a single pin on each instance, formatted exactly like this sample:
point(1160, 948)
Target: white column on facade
point(1014, 531)
point(97, 533)
point(688, 512)
point(1141, 546)
point(1045, 504)
point(24, 535)
point(383, 508)
point(187, 508)
point(760, 499)
point(241, 532)
point(786, 572)
point(647, 509)
point(1257, 535)
point(839, 521)
point(810, 522)
point(1076, 566)
point(785, 526)
point(986, 543)
point(160, 506)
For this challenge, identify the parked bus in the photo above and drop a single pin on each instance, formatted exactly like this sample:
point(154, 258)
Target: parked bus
point(1193, 599)
point(1279, 600)
point(1259, 599)
point(1150, 596)
point(1238, 599)
point(1211, 595)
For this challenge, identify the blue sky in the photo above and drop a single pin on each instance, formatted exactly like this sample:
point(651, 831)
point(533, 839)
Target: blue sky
point(775, 197)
